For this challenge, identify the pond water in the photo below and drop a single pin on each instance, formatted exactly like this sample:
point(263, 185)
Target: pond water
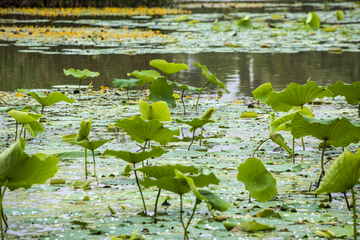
point(242, 72)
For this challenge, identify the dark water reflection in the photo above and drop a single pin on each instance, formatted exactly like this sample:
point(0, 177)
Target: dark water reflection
point(242, 72)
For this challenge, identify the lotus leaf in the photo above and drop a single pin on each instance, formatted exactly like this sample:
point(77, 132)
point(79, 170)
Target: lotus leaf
point(160, 90)
point(167, 170)
point(145, 76)
point(47, 100)
point(245, 23)
point(80, 74)
point(210, 77)
point(313, 20)
point(21, 170)
point(168, 68)
point(351, 92)
point(135, 157)
point(126, 83)
point(195, 122)
point(167, 183)
point(339, 15)
point(248, 226)
point(91, 145)
point(141, 131)
point(258, 181)
point(343, 174)
point(158, 110)
point(262, 92)
point(215, 201)
point(186, 87)
point(181, 18)
point(339, 132)
point(28, 120)
point(296, 95)
point(20, 108)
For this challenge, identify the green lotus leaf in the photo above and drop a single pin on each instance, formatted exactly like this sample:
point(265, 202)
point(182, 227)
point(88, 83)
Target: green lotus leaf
point(34, 128)
point(168, 68)
point(160, 90)
point(167, 183)
point(247, 226)
point(91, 145)
point(210, 77)
point(167, 170)
point(187, 87)
point(258, 181)
point(181, 18)
point(313, 20)
point(279, 123)
point(262, 92)
point(339, 15)
point(80, 74)
point(339, 132)
point(195, 122)
point(208, 113)
point(351, 92)
point(343, 174)
point(20, 108)
point(296, 95)
point(245, 23)
point(190, 182)
point(215, 201)
point(141, 131)
point(24, 117)
point(145, 76)
point(268, 213)
point(135, 157)
point(84, 130)
point(47, 100)
point(158, 110)
point(21, 170)
point(126, 83)
point(203, 180)
point(279, 139)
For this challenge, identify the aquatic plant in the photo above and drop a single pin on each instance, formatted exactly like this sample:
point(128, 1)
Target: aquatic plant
point(80, 74)
point(351, 92)
point(47, 100)
point(19, 170)
point(343, 175)
point(160, 90)
point(158, 110)
point(312, 21)
point(28, 120)
point(245, 23)
point(257, 179)
point(135, 158)
point(168, 68)
point(185, 87)
point(211, 79)
point(126, 83)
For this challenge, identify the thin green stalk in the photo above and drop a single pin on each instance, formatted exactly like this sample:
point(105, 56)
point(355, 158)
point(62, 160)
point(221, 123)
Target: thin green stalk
point(3, 100)
point(156, 203)
point(354, 212)
point(192, 215)
point(347, 202)
point(142, 197)
point(79, 88)
point(359, 110)
point(259, 146)
point(303, 144)
point(42, 110)
point(97, 181)
point(181, 219)
point(127, 93)
point(144, 151)
point(201, 134)
point(197, 101)
point(86, 173)
point(322, 158)
point(182, 99)
point(22, 127)
point(192, 140)
point(16, 126)
point(293, 150)
point(1, 210)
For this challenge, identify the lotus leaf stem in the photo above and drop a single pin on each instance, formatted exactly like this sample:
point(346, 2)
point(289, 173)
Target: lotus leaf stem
point(79, 88)
point(322, 158)
point(354, 212)
point(293, 150)
point(201, 134)
point(182, 100)
point(127, 93)
point(3, 100)
point(261, 143)
point(142, 197)
point(192, 140)
point(197, 101)
point(16, 127)
point(347, 202)
point(2, 218)
point(303, 144)
point(181, 219)
point(191, 217)
point(86, 173)
point(359, 110)
point(22, 127)
point(156, 203)
point(97, 181)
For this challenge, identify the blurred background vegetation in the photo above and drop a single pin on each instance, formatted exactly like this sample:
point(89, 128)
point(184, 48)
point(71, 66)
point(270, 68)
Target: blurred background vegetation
point(84, 3)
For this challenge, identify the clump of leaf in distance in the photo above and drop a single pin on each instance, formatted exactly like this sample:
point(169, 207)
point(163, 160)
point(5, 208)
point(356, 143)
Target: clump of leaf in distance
point(343, 175)
point(211, 79)
point(257, 179)
point(311, 22)
point(28, 120)
point(351, 92)
point(196, 123)
point(135, 158)
point(245, 23)
point(19, 170)
point(80, 74)
point(47, 100)
point(158, 110)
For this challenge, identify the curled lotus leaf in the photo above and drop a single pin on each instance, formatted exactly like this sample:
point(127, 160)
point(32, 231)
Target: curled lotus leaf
point(339, 132)
point(211, 77)
point(145, 76)
point(351, 92)
point(168, 68)
point(343, 174)
point(158, 110)
point(313, 20)
point(296, 95)
point(258, 181)
point(245, 23)
point(22, 170)
point(80, 74)
point(262, 92)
